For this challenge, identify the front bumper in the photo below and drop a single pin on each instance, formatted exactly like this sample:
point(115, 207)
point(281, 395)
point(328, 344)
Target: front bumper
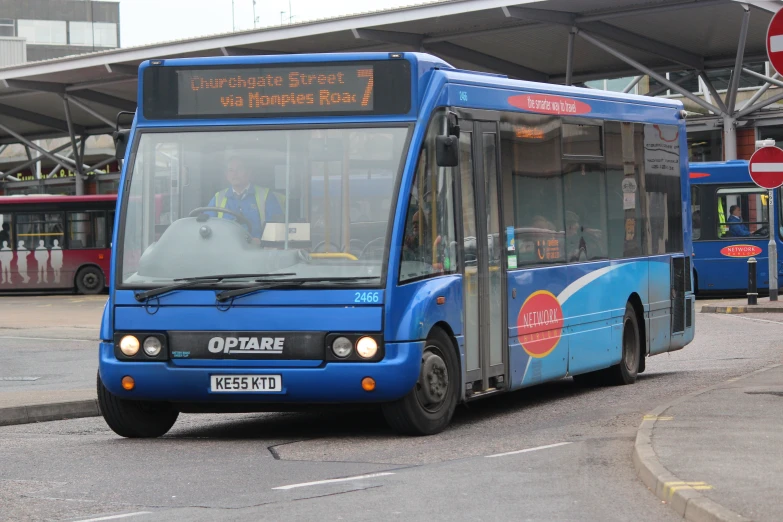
point(329, 382)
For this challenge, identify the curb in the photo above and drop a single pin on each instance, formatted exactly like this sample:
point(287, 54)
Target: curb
point(48, 412)
point(684, 499)
point(710, 309)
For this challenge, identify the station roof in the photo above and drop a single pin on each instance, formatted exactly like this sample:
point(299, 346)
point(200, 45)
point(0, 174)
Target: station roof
point(526, 39)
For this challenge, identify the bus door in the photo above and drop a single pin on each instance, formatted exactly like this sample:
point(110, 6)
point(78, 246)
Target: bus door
point(483, 273)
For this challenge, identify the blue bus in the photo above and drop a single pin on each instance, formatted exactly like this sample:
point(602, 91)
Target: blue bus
point(730, 216)
point(384, 229)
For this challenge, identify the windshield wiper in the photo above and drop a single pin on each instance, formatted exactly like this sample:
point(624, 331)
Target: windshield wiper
point(193, 281)
point(228, 294)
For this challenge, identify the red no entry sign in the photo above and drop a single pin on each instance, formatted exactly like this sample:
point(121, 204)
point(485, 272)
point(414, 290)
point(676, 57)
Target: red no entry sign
point(775, 41)
point(766, 167)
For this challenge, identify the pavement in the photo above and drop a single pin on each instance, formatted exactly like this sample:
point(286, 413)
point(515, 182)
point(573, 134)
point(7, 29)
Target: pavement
point(47, 362)
point(741, 306)
point(714, 454)
point(717, 454)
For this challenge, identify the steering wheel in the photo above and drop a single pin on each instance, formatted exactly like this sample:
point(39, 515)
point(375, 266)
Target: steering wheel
point(240, 218)
point(763, 231)
point(372, 243)
point(323, 243)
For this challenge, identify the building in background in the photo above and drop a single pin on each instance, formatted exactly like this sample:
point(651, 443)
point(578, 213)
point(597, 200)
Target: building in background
point(34, 30)
point(57, 28)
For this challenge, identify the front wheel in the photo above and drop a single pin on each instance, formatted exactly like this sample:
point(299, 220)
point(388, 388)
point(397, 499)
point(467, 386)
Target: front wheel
point(628, 369)
point(427, 409)
point(135, 419)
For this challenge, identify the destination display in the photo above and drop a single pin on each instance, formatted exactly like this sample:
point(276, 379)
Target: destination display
point(378, 87)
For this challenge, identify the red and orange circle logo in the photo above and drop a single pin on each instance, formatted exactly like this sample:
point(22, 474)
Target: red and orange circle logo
point(540, 324)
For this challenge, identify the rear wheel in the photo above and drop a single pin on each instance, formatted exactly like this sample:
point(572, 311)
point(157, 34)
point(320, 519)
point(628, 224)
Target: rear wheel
point(135, 419)
point(631, 362)
point(427, 409)
point(89, 280)
point(628, 369)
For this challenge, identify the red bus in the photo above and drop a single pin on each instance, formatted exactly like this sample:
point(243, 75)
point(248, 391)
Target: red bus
point(55, 242)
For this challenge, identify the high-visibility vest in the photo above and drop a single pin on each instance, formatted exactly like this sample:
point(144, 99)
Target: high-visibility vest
point(221, 200)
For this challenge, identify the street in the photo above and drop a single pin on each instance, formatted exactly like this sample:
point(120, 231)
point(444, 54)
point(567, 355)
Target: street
point(291, 466)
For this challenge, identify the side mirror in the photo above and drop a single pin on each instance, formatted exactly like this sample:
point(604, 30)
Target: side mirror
point(120, 142)
point(447, 151)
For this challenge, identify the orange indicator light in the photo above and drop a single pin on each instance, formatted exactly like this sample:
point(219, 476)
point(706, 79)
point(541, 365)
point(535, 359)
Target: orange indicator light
point(128, 383)
point(368, 384)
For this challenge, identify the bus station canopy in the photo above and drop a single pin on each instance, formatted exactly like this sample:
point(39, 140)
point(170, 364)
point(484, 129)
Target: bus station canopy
point(557, 41)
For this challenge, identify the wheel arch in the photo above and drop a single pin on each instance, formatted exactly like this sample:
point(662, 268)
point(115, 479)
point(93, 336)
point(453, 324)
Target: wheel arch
point(446, 328)
point(636, 303)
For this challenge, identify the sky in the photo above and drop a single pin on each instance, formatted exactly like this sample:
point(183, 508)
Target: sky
point(151, 21)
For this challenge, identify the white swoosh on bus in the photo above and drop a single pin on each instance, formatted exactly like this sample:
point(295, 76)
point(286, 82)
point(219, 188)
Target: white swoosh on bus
point(584, 281)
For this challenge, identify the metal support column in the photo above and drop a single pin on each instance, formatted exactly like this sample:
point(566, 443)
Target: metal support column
point(79, 170)
point(761, 91)
point(54, 157)
point(570, 57)
point(772, 250)
point(716, 99)
point(646, 70)
point(731, 96)
point(729, 138)
point(634, 82)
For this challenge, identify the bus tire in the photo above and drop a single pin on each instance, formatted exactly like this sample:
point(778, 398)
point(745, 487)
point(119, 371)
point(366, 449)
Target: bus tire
point(135, 419)
point(627, 370)
point(426, 411)
point(90, 280)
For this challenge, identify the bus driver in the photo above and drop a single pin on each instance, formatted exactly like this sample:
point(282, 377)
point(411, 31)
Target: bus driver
point(258, 204)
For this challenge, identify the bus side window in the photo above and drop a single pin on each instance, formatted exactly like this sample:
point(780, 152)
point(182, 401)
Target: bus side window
point(695, 212)
point(429, 234)
point(6, 239)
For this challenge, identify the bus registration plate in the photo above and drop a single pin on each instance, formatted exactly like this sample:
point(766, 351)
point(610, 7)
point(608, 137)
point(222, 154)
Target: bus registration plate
point(246, 383)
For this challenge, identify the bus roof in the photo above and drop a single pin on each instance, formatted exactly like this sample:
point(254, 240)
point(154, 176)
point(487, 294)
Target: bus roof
point(734, 171)
point(37, 199)
point(495, 80)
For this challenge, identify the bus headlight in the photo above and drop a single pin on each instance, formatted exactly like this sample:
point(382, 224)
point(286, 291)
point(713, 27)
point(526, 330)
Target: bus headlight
point(152, 346)
point(129, 345)
point(342, 347)
point(366, 347)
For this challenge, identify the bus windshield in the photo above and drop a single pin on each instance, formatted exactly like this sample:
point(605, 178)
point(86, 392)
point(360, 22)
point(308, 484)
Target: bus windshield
point(308, 203)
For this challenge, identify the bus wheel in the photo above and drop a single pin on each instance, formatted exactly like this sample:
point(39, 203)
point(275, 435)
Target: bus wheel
point(89, 280)
point(135, 419)
point(628, 369)
point(427, 409)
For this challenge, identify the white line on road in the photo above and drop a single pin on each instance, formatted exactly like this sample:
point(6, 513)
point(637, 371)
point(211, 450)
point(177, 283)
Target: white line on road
point(115, 517)
point(331, 481)
point(48, 339)
point(527, 450)
point(736, 316)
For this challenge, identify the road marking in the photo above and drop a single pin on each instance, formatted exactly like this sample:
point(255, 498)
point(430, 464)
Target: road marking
point(528, 450)
point(656, 418)
point(115, 517)
point(670, 488)
point(19, 378)
point(331, 481)
point(48, 339)
point(758, 320)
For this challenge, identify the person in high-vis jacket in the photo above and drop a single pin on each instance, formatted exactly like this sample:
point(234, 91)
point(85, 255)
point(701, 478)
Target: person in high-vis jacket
point(259, 205)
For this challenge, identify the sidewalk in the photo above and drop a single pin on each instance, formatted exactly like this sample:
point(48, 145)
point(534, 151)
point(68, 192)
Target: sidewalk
point(717, 454)
point(740, 306)
point(48, 357)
